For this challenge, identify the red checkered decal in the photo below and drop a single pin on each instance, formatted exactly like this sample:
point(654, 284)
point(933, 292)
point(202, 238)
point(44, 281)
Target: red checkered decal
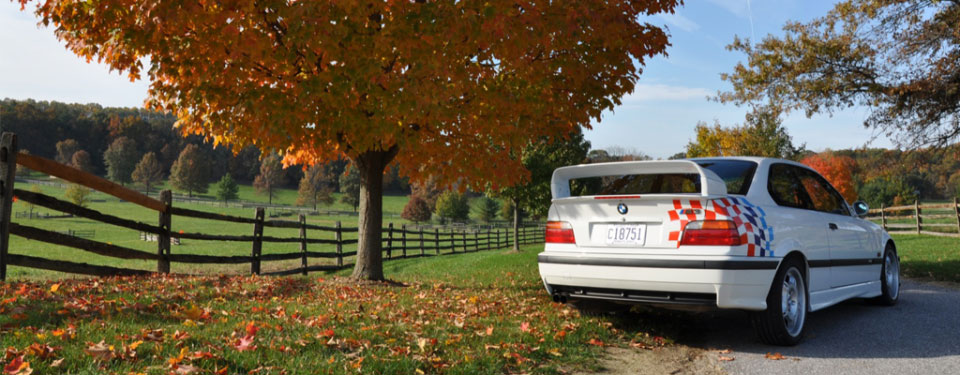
point(751, 221)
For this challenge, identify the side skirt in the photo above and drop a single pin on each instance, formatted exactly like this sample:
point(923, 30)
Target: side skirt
point(826, 298)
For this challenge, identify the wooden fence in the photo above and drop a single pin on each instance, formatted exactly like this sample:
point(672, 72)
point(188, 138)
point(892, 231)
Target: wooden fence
point(398, 242)
point(936, 219)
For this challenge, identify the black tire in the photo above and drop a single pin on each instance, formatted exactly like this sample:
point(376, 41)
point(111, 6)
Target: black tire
point(774, 326)
point(890, 284)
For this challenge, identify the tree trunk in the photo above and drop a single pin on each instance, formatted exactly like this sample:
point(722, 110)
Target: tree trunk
point(270, 195)
point(371, 165)
point(516, 224)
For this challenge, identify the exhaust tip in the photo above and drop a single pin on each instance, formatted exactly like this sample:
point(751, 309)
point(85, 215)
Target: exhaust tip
point(556, 298)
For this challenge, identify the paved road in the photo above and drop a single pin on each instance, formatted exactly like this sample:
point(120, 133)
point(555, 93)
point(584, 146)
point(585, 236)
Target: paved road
point(920, 335)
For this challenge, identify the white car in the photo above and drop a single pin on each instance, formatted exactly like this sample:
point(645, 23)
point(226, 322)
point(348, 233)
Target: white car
point(766, 235)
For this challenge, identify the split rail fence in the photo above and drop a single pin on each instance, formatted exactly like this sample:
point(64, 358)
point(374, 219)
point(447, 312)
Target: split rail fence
point(398, 241)
point(935, 219)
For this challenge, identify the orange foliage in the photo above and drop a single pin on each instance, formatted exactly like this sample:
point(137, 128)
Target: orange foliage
point(837, 169)
point(448, 87)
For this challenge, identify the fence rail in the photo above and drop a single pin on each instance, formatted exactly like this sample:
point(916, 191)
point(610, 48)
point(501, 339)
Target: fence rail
point(935, 219)
point(398, 242)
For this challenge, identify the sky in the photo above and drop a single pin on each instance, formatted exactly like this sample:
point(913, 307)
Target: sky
point(657, 119)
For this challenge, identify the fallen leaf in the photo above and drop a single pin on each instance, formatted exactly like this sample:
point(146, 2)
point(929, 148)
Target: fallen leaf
point(185, 369)
point(252, 328)
point(724, 358)
point(724, 351)
point(100, 351)
point(54, 288)
point(17, 367)
point(244, 344)
point(525, 327)
point(775, 356)
point(155, 335)
point(56, 363)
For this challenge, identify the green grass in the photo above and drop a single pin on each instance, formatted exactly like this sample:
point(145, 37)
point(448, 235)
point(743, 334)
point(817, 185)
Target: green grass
point(477, 313)
point(929, 257)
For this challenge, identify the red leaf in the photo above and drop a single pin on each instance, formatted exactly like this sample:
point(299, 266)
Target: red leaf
point(245, 344)
point(252, 329)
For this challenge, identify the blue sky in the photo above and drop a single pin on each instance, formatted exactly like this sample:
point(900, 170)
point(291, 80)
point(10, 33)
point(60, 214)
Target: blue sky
point(657, 119)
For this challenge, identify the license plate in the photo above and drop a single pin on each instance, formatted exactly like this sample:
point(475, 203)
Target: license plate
point(626, 234)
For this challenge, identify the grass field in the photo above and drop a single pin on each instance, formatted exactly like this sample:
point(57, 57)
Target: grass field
point(478, 313)
point(928, 257)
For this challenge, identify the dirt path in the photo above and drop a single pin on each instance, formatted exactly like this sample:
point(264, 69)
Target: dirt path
point(674, 360)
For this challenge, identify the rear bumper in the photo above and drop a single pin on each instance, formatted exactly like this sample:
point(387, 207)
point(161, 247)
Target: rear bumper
point(728, 282)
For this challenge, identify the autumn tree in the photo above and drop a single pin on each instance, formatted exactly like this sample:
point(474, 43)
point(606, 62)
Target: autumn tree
point(316, 186)
point(898, 58)
point(78, 195)
point(121, 159)
point(270, 177)
point(836, 169)
point(81, 161)
point(416, 210)
point(65, 150)
point(350, 187)
point(191, 171)
point(227, 188)
point(762, 135)
point(452, 205)
point(428, 189)
point(148, 171)
point(448, 88)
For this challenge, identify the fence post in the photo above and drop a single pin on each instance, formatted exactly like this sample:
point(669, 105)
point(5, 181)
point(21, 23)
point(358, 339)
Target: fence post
point(163, 238)
point(463, 239)
point(403, 239)
point(498, 238)
point(339, 245)
point(8, 170)
point(883, 217)
point(421, 241)
point(257, 242)
point(436, 242)
point(916, 209)
point(489, 237)
point(956, 213)
point(390, 241)
point(303, 243)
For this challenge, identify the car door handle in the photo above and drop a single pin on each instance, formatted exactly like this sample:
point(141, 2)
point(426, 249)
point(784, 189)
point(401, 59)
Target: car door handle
point(833, 226)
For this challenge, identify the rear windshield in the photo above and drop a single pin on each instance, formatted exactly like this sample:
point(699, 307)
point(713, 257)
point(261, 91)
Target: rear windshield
point(737, 174)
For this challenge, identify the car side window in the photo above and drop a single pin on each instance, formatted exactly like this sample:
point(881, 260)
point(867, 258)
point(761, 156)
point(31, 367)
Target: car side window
point(786, 189)
point(825, 198)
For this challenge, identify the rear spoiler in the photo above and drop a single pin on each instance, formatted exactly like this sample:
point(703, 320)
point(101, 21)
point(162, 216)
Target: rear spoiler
point(710, 183)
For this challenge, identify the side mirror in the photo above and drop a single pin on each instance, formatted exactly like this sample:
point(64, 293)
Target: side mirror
point(861, 208)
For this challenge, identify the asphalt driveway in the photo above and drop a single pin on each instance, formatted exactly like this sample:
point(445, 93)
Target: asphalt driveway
point(920, 335)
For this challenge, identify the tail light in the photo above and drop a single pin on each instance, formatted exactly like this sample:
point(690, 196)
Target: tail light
point(559, 232)
point(711, 232)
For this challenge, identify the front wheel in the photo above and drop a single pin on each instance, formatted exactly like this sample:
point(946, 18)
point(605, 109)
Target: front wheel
point(783, 322)
point(890, 277)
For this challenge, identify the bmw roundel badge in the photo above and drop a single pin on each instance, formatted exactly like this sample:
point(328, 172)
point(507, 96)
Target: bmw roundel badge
point(622, 209)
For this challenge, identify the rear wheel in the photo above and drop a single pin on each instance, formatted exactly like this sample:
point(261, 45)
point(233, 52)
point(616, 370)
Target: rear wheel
point(784, 320)
point(890, 277)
